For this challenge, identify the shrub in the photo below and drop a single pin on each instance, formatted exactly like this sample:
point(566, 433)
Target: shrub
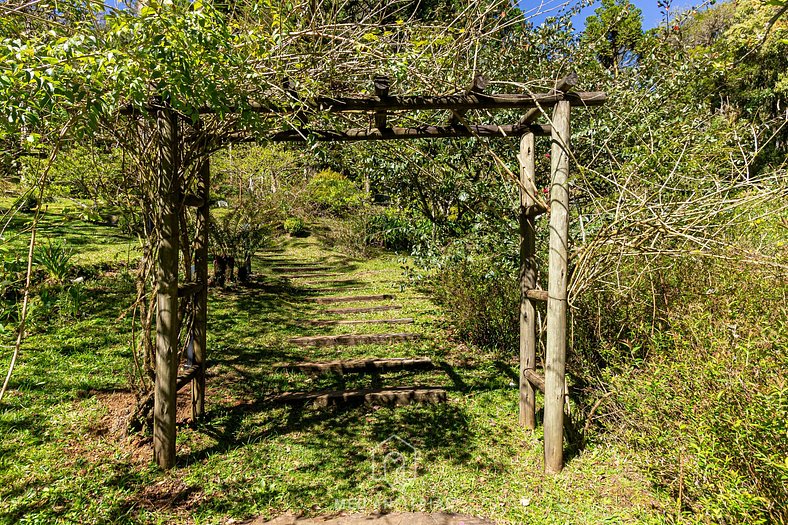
point(333, 192)
point(390, 227)
point(482, 298)
point(294, 226)
point(705, 405)
point(56, 260)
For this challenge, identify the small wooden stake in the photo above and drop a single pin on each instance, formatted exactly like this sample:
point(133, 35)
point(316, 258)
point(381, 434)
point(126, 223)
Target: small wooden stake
point(555, 364)
point(165, 391)
point(527, 280)
point(201, 297)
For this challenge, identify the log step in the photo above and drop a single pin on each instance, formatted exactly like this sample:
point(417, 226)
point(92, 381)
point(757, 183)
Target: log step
point(395, 396)
point(308, 275)
point(298, 268)
point(352, 339)
point(363, 309)
point(403, 320)
point(359, 366)
point(352, 280)
point(352, 299)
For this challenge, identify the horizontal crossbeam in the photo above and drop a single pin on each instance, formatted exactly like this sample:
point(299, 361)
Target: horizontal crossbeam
point(461, 102)
point(422, 132)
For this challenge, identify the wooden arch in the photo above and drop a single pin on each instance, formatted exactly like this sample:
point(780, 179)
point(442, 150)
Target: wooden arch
point(378, 107)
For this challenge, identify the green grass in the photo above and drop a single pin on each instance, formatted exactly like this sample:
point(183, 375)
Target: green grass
point(65, 458)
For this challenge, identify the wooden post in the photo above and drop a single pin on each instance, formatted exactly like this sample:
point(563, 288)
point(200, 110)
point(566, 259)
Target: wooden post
point(555, 363)
point(201, 298)
point(167, 299)
point(527, 279)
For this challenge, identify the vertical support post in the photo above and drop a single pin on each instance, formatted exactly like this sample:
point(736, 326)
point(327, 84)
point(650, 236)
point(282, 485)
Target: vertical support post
point(167, 296)
point(201, 298)
point(555, 363)
point(527, 279)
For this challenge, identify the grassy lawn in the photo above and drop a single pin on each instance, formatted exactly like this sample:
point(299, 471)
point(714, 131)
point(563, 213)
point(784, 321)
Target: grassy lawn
point(65, 455)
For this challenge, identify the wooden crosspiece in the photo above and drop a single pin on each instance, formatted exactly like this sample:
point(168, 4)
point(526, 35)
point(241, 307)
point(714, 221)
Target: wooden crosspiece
point(359, 366)
point(352, 339)
point(394, 396)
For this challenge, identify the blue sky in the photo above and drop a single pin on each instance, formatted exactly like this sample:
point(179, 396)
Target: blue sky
point(652, 15)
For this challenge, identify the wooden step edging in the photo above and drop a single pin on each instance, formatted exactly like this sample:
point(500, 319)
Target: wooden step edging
point(352, 298)
point(352, 339)
point(403, 320)
point(359, 366)
point(307, 269)
point(307, 275)
point(363, 309)
point(393, 396)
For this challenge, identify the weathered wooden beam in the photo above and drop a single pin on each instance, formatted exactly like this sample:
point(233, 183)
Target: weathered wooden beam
point(536, 295)
point(360, 366)
point(561, 86)
point(165, 391)
point(186, 377)
point(403, 320)
point(362, 310)
point(395, 396)
point(382, 92)
point(527, 159)
point(555, 362)
point(352, 298)
point(459, 102)
point(423, 132)
point(200, 330)
point(467, 101)
point(285, 269)
point(352, 339)
point(189, 289)
point(478, 85)
point(534, 379)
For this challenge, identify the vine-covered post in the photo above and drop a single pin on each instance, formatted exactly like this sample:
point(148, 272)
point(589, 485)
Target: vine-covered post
point(165, 392)
point(201, 298)
point(527, 278)
point(555, 363)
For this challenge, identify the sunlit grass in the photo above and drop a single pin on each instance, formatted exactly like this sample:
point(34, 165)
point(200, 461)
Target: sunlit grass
point(65, 455)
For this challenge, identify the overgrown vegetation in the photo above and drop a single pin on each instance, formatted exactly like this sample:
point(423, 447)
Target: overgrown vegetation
point(678, 259)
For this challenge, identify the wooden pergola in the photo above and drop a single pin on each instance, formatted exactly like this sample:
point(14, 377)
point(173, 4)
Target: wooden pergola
point(172, 200)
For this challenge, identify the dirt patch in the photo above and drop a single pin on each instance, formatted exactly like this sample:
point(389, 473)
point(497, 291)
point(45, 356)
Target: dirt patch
point(120, 406)
point(171, 494)
point(395, 518)
point(112, 428)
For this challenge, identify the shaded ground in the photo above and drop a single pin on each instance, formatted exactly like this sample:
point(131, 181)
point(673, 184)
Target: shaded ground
point(65, 454)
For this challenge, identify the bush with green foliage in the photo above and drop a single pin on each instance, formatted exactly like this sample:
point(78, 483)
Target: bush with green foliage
point(483, 299)
point(294, 226)
point(390, 227)
point(333, 192)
